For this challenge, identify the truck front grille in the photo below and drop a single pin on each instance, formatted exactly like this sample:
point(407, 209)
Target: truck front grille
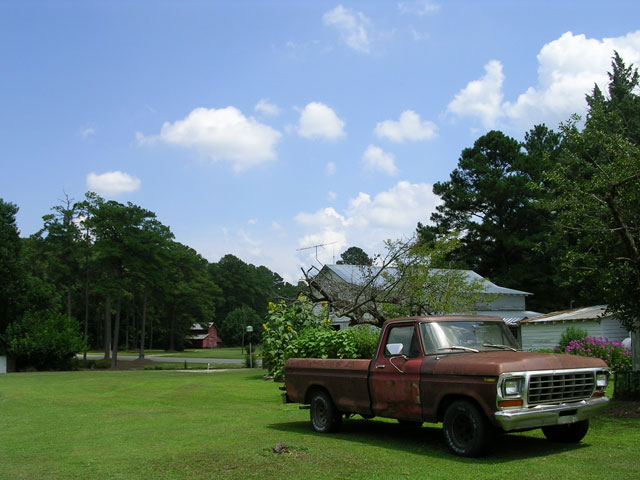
point(558, 388)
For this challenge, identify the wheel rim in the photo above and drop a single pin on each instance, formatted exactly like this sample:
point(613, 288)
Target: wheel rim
point(320, 413)
point(462, 430)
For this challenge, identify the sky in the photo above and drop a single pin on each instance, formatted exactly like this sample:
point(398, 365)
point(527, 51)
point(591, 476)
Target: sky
point(260, 128)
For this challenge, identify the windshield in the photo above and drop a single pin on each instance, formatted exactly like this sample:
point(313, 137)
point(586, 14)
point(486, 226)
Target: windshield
point(448, 337)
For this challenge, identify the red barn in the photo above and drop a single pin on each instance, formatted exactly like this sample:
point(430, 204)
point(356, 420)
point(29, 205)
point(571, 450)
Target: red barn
point(204, 337)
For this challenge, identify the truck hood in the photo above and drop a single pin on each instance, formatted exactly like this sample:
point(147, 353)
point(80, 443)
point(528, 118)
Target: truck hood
point(494, 363)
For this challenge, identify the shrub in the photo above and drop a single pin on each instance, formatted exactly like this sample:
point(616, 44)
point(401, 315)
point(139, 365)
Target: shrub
point(366, 338)
point(614, 354)
point(102, 364)
point(569, 335)
point(322, 343)
point(357, 342)
point(44, 340)
point(282, 324)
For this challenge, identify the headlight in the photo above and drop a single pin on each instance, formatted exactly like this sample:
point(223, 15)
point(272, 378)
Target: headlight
point(512, 386)
point(602, 380)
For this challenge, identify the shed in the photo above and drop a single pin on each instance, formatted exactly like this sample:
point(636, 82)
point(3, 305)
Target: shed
point(204, 336)
point(544, 331)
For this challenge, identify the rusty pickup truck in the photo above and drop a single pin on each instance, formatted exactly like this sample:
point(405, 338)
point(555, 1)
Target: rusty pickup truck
point(463, 371)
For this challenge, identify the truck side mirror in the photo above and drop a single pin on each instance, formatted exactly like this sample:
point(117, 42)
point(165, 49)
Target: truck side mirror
point(395, 348)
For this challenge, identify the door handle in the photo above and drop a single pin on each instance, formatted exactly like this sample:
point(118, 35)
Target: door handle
point(380, 366)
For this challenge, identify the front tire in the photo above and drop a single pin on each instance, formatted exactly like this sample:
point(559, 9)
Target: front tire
point(570, 433)
point(466, 429)
point(325, 417)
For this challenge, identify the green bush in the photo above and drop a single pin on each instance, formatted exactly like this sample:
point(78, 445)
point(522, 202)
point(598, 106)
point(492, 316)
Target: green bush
point(568, 336)
point(102, 364)
point(357, 342)
point(44, 340)
point(366, 338)
point(322, 343)
point(282, 324)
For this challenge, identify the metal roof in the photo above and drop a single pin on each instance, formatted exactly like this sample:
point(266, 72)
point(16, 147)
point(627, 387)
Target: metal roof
point(357, 275)
point(587, 313)
point(511, 317)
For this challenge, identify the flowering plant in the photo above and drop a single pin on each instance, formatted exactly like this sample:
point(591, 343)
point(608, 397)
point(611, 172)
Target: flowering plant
point(615, 355)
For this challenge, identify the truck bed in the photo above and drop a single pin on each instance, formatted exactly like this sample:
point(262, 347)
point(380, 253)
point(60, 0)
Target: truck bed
point(345, 380)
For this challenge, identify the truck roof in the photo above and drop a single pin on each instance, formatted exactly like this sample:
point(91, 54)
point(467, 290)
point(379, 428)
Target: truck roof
point(447, 318)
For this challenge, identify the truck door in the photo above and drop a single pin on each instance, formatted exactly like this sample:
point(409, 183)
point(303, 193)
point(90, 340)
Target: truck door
point(395, 379)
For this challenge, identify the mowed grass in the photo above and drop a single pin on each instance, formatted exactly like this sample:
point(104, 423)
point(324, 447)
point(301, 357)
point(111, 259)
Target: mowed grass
point(223, 425)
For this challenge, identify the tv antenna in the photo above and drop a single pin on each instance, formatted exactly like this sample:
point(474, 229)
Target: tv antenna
point(316, 247)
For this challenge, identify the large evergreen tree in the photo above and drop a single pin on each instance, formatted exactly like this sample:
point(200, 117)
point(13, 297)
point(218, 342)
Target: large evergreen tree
point(596, 197)
point(489, 201)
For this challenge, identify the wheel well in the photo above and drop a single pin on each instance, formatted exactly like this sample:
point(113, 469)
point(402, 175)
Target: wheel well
point(312, 389)
point(449, 399)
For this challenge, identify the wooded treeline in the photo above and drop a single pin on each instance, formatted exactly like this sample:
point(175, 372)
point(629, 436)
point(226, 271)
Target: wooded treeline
point(118, 271)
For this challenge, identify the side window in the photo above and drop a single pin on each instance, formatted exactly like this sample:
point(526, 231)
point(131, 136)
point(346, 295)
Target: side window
point(407, 337)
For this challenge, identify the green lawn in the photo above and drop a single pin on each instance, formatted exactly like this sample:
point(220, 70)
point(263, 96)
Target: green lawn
point(225, 353)
point(171, 425)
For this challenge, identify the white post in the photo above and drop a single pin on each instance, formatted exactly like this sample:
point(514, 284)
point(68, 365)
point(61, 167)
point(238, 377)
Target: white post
point(3, 364)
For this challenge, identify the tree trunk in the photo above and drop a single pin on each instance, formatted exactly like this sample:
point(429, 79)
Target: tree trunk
point(143, 322)
point(107, 328)
point(172, 343)
point(69, 300)
point(635, 350)
point(86, 316)
point(116, 333)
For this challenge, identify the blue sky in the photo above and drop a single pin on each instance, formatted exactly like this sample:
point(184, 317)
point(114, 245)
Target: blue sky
point(261, 127)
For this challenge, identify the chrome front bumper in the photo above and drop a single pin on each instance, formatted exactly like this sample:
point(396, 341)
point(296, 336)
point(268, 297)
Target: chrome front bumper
point(543, 415)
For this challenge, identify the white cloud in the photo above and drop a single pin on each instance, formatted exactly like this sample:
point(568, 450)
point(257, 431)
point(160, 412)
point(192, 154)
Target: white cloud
point(568, 68)
point(368, 221)
point(252, 221)
point(331, 195)
point(87, 132)
point(408, 127)
point(354, 27)
point(223, 134)
point(375, 159)
point(419, 7)
point(418, 36)
point(265, 107)
point(481, 98)
point(319, 121)
point(112, 183)
point(330, 168)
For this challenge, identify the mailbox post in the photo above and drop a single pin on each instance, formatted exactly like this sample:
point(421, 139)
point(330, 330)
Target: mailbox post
point(249, 330)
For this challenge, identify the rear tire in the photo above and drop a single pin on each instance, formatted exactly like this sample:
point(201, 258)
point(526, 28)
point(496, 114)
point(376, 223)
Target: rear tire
point(325, 417)
point(466, 429)
point(570, 433)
